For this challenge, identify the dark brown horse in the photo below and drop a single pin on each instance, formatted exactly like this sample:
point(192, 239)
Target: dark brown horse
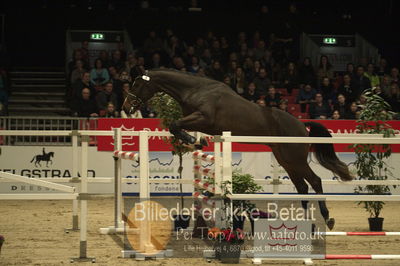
point(212, 107)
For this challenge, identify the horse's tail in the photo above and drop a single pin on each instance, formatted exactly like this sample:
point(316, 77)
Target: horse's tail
point(325, 153)
point(34, 157)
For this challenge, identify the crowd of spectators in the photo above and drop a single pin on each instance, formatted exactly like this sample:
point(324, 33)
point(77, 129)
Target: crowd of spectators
point(262, 69)
point(262, 66)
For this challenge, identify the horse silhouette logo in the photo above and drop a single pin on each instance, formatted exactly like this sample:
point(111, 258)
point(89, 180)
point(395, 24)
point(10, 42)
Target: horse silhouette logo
point(46, 157)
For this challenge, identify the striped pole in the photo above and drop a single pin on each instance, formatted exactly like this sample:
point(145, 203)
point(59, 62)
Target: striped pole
point(205, 199)
point(207, 186)
point(203, 156)
point(127, 155)
point(204, 171)
point(359, 257)
point(358, 233)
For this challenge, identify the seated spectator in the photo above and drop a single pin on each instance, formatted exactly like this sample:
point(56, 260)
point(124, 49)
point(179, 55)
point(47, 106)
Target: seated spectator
point(206, 59)
point(110, 111)
point(261, 102)
point(306, 96)
point(115, 79)
point(383, 68)
point(341, 105)
point(117, 61)
point(77, 55)
point(394, 97)
point(273, 98)
point(99, 75)
point(77, 72)
point(202, 72)
point(227, 80)
point(199, 46)
point(174, 47)
point(248, 66)
point(84, 106)
point(124, 76)
point(106, 96)
point(79, 85)
point(85, 51)
point(306, 73)
point(152, 44)
point(3, 101)
point(104, 57)
point(319, 109)
point(122, 50)
point(372, 76)
point(353, 112)
point(262, 82)
point(156, 61)
point(177, 63)
point(290, 78)
point(238, 81)
point(336, 115)
point(327, 90)
point(194, 66)
point(385, 85)
point(137, 114)
point(232, 68)
point(360, 82)
point(138, 69)
point(325, 69)
point(394, 75)
point(215, 71)
point(188, 54)
point(283, 105)
point(251, 94)
point(350, 70)
point(346, 89)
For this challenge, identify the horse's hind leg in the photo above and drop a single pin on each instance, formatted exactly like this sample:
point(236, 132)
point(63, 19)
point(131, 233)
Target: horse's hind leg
point(316, 184)
point(294, 160)
point(294, 172)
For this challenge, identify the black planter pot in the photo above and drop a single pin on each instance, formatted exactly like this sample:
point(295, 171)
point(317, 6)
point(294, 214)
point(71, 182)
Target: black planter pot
point(376, 224)
point(229, 252)
point(181, 221)
point(238, 222)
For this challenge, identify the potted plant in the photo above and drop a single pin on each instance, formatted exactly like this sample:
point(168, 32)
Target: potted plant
point(244, 184)
point(371, 158)
point(168, 110)
point(227, 244)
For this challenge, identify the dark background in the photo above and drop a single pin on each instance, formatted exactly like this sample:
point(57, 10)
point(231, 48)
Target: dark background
point(35, 30)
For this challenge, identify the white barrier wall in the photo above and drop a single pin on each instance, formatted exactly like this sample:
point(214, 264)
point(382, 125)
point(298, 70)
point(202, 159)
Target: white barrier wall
point(21, 161)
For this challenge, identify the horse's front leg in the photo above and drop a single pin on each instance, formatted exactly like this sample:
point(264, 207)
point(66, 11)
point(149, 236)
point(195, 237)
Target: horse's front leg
point(193, 122)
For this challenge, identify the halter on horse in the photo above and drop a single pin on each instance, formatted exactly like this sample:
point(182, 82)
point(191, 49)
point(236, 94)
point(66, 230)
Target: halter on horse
point(211, 107)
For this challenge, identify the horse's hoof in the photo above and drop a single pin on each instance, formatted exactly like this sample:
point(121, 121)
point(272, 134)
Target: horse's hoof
point(330, 223)
point(203, 142)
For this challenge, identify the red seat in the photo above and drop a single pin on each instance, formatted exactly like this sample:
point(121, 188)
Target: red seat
point(301, 115)
point(295, 92)
point(282, 91)
point(294, 108)
point(290, 99)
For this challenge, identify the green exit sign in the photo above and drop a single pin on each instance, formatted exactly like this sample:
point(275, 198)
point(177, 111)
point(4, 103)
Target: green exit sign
point(97, 36)
point(329, 41)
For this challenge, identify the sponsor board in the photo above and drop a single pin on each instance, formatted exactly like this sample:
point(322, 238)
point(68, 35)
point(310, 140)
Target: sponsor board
point(52, 161)
point(157, 143)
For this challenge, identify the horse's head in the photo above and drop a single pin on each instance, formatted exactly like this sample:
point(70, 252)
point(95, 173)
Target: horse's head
point(51, 154)
point(140, 92)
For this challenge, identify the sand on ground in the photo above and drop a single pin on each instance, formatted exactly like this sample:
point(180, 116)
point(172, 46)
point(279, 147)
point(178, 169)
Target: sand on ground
point(34, 235)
